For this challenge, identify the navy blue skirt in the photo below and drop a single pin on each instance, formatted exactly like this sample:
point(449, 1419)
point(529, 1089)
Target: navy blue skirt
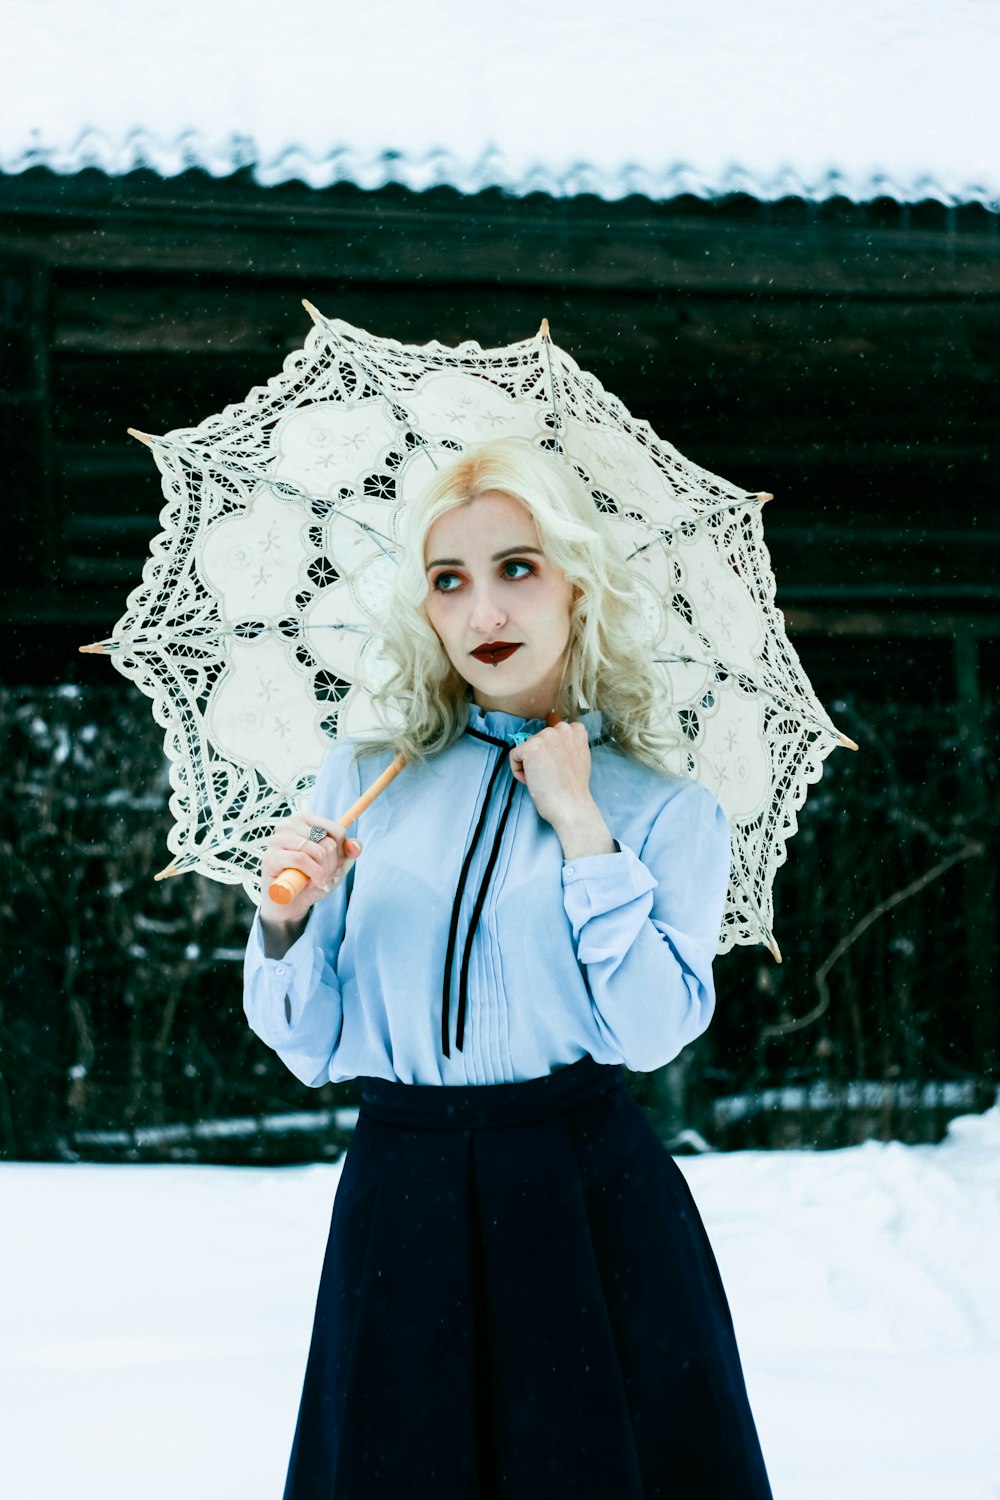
point(518, 1300)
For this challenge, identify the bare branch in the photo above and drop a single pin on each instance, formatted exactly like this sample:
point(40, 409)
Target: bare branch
point(971, 850)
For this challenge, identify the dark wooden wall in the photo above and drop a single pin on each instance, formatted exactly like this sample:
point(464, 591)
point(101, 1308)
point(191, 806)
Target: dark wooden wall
point(844, 357)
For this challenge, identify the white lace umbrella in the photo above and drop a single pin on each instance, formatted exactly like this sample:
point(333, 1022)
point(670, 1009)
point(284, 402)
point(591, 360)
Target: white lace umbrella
point(254, 630)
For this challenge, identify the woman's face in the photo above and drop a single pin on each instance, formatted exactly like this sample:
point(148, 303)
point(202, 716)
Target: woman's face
point(489, 584)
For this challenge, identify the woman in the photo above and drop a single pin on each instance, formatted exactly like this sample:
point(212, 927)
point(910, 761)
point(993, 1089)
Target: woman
point(518, 1297)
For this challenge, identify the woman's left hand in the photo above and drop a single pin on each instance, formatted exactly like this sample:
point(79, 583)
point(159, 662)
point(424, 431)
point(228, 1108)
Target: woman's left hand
point(554, 765)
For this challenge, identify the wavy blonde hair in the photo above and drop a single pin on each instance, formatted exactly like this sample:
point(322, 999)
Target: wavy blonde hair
point(607, 664)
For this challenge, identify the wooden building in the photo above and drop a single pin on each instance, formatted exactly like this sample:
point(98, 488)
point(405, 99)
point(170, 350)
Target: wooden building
point(842, 354)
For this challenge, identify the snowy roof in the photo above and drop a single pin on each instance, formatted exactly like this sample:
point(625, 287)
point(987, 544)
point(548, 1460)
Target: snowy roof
point(860, 98)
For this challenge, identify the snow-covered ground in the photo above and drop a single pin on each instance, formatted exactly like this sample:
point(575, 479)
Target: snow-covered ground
point(155, 1320)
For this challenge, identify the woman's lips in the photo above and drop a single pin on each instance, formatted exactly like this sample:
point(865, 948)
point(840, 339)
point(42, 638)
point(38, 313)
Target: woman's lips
point(494, 653)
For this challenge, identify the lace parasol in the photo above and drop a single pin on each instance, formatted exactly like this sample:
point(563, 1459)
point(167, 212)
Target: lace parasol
point(255, 628)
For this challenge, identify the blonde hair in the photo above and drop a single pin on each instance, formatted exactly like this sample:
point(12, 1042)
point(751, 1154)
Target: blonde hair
point(607, 664)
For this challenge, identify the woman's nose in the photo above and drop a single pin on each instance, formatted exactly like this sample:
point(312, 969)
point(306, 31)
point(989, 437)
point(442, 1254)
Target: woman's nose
point(486, 614)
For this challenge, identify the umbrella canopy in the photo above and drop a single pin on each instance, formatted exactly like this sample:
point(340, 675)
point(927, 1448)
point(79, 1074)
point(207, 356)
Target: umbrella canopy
point(255, 628)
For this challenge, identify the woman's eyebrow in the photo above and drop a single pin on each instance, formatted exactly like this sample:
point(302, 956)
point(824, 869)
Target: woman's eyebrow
point(456, 562)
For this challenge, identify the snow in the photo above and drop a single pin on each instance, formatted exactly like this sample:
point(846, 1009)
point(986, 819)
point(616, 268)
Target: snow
point(855, 1095)
point(155, 1320)
point(855, 97)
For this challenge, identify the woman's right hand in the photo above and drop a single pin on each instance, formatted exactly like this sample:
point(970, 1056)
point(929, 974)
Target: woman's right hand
point(326, 862)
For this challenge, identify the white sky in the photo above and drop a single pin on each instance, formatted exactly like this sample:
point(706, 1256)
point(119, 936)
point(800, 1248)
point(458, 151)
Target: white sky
point(658, 96)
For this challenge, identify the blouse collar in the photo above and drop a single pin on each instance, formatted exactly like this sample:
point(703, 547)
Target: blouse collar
point(508, 727)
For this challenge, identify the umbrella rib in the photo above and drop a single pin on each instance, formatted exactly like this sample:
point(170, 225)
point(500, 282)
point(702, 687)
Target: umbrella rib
point(769, 937)
point(152, 643)
point(786, 703)
point(362, 369)
point(322, 321)
point(547, 346)
point(377, 537)
point(287, 490)
point(704, 515)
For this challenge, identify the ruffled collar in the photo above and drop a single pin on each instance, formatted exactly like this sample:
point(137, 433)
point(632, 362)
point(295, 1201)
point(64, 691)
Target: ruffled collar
point(509, 727)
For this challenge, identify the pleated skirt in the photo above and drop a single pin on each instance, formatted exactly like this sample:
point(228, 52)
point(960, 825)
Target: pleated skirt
point(519, 1299)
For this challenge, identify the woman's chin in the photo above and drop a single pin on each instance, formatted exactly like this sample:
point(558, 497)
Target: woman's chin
point(512, 686)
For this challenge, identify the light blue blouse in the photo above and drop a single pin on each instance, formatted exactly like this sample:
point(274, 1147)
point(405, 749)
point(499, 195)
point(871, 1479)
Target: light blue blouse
point(609, 954)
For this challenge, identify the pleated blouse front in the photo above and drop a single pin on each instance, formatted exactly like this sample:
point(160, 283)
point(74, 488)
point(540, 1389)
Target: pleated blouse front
point(464, 949)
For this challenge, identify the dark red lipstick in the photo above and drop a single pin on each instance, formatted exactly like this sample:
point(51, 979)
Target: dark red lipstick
point(495, 651)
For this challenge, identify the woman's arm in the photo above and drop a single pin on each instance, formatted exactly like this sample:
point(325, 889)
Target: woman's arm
point(647, 926)
point(278, 937)
point(291, 995)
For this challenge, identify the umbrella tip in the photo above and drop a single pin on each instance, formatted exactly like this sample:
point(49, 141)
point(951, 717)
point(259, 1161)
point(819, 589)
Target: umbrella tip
point(764, 497)
point(313, 312)
point(143, 437)
point(543, 332)
point(842, 739)
point(96, 649)
point(772, 944)
point(166, 874)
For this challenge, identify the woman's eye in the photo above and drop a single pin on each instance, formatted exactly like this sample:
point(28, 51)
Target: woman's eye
point(514, 562)
point(441, 582)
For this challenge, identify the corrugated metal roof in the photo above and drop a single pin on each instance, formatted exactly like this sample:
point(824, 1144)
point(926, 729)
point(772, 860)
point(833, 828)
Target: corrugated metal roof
point(859, 98)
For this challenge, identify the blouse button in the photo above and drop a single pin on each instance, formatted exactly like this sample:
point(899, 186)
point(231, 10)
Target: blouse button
point(281, 970)
point(570, 870)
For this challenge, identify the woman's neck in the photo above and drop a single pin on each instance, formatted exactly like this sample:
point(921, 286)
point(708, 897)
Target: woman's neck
point(520, 707)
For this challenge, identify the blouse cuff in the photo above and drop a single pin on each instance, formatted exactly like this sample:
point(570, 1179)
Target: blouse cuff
point(598, 883)
point(284, 981)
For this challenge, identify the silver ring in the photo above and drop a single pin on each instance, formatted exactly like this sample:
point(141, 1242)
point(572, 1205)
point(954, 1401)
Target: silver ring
point(317, 834)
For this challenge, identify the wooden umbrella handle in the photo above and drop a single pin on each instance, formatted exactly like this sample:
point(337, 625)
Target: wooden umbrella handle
point(286, 886)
